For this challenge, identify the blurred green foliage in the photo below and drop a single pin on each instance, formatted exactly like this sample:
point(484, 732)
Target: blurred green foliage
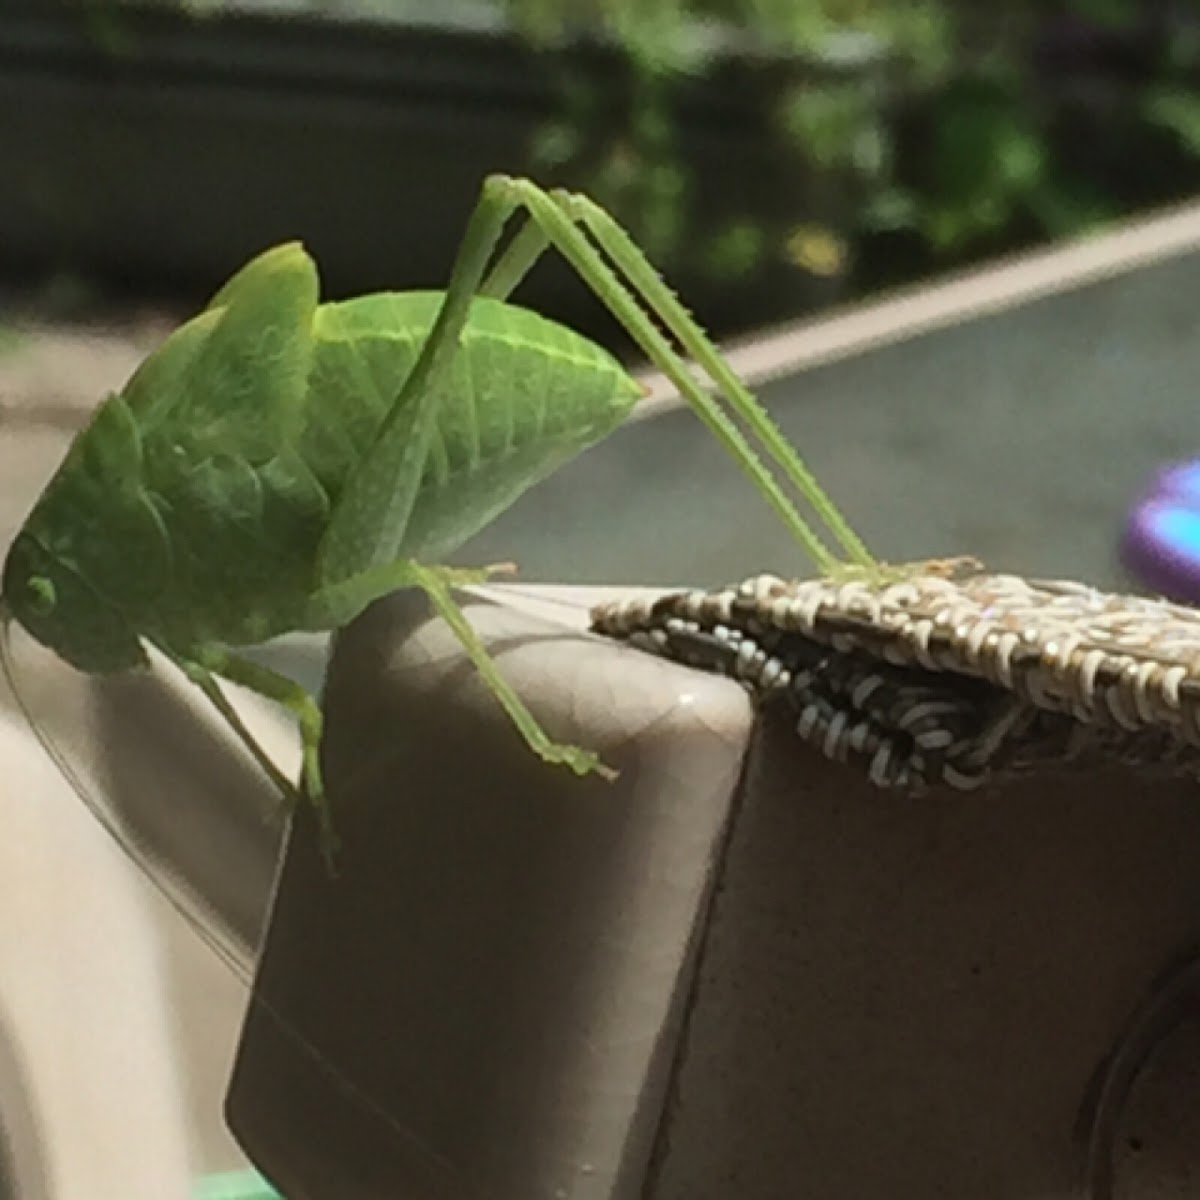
point(876, 141)
point(942, 130)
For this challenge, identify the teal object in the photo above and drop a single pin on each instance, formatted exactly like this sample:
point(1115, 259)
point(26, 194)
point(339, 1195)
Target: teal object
point(235, 1185)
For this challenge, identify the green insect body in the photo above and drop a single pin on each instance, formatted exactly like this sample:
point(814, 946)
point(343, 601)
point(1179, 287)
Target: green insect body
point(279, 463)
point(187, 526)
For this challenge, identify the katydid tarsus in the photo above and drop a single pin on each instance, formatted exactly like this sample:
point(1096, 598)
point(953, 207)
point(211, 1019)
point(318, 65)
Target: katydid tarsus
point(279, 463)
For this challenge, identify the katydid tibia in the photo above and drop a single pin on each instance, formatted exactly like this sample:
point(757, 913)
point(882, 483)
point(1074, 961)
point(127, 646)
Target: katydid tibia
point(279, 463)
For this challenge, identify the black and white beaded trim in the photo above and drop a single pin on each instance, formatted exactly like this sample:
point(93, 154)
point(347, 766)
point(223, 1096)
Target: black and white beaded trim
point(945, 674)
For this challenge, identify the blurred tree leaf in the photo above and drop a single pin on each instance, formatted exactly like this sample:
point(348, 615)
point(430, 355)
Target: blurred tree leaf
point(1113, 14)
point(826, 120)
point(890, 209)
point(1066, 206)
point(985, 159)
point(1176, 109)
point(736, 250)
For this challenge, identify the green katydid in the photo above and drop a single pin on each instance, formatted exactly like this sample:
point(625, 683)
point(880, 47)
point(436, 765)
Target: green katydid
point(279, 463)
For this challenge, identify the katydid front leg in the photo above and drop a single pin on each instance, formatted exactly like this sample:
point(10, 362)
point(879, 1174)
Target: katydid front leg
point(205, 662)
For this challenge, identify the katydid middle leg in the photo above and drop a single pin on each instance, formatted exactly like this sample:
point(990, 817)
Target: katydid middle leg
point(340, 602)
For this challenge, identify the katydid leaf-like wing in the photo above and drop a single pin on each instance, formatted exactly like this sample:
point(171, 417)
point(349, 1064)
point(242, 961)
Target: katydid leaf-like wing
point(378, 487)
point(529, 395)
point(521, 397)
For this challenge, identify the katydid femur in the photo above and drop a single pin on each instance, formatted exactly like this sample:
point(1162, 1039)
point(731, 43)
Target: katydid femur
point(278, 464)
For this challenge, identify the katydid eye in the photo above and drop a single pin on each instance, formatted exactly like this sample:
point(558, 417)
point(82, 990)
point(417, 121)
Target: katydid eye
point(42, 596)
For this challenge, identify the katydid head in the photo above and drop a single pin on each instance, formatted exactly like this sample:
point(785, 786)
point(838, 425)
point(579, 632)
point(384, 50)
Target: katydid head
point(56, 605)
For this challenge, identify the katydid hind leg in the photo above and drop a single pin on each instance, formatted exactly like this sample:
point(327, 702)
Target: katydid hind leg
point(649, 285)
point(639, 299)
point(369, 523)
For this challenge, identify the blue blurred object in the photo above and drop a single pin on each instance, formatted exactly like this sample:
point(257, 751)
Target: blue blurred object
point(1162, 540)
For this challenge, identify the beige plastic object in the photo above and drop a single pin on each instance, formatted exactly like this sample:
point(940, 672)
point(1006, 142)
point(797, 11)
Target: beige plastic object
point(704, 983)
point(91, 1102)
point(499, 966)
